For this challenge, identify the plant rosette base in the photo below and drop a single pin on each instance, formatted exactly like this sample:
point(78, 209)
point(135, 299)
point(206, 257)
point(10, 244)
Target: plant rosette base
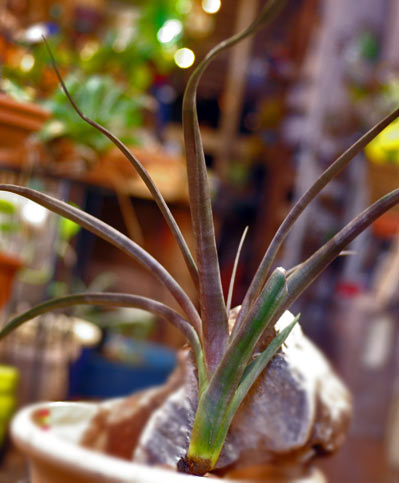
point(49, 434)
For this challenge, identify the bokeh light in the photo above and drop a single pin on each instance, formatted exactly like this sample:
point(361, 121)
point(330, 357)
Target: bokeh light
point(211, 6)
point(27, 63)
point(170, 30)
point(34, 214)
point(184, 58)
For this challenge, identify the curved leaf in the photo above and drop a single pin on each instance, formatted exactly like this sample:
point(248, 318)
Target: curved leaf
point(311, 268)
point(156, 194)
point(234, 272)
point(314, 265)
point(117, 239)
point(333, 170)
point(115, 300)
point(108, 299)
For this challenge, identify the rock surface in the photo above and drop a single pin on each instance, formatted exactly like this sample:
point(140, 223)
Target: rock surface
point(297, 408)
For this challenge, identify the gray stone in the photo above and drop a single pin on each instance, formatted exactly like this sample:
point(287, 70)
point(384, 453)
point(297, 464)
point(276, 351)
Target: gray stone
point(296, 408)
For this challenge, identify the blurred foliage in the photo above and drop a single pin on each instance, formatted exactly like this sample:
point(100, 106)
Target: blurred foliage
point(7, 207)
point(131, 53)
point(101, 99)
point(8, 223)
point(67, 228)
point(107, 71)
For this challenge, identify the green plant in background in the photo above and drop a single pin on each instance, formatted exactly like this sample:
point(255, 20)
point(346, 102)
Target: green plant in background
point(8, 223)
point(226, 366)
point(130, 52)
point(131, 55)
point(105, 101)
point(160, 30)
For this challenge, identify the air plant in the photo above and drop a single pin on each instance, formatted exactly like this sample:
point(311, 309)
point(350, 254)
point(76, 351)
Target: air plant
point(226, 367)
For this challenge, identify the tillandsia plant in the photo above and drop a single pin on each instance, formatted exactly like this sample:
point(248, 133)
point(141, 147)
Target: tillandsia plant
point(224, 358)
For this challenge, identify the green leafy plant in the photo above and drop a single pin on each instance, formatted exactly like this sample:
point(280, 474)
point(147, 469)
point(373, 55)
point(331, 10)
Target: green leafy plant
point(225, 364)
point(8, 211)
point(131, 52)
point(105, 101)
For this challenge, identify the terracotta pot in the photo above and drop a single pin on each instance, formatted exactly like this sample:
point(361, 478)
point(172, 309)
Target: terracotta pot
point(48, 433)
point(18, 120)
point(384, 178)
point(9, 265)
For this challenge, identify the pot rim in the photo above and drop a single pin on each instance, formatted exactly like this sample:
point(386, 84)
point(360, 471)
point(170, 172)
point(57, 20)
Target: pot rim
point(44, 444)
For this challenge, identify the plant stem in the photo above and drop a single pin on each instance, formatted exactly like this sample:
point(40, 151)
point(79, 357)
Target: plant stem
point(207, 437)
point(212, 305)
point(252, 372)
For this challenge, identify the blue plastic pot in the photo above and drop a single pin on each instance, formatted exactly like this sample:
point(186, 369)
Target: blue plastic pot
point(94, 376)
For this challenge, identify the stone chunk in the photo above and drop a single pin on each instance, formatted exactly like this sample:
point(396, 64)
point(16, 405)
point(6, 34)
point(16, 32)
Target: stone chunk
point(297, 408)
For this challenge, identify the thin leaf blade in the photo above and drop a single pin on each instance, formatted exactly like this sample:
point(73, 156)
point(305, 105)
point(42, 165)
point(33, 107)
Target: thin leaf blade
point(254, 370)
point(142, 172)
point(315, 265)
point(333, 170)
point(111, 299)
point(309, 270)
point(108, 299)
point(234, 272)
point(119, 240)
point(212, 306)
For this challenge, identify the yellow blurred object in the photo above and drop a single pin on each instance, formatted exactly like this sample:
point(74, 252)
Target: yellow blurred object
point(9, 377)
point(383, 176)
point(7, 407)
point(384, 149)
